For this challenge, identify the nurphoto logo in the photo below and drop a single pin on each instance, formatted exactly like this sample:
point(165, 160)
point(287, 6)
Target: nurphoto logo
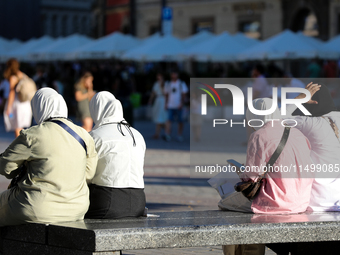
point(238, 99)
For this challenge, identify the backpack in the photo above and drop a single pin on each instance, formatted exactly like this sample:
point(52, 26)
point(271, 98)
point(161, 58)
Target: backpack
point(26, 89)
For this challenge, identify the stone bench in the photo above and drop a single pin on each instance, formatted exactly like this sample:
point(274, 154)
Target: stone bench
point(173, 229)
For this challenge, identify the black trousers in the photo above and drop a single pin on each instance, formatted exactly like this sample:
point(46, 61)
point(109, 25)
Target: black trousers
point(115, 203)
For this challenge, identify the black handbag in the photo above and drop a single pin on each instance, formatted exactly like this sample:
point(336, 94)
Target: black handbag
point(249, 188)
point(22, 171)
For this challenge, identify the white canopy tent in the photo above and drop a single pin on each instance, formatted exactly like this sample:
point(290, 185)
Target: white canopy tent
point(332, 48)
point(285, 45)
point(60, 49)
point(150, 38)
point(22, 51)
point(6, 45)
point(323, 51)
point(246, 41)
point(112, 45)
point(221, 48)
point(198, 38)
point(165, 48)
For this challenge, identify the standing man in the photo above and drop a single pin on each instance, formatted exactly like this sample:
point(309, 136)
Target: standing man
point(261, 88)
point(175, 93)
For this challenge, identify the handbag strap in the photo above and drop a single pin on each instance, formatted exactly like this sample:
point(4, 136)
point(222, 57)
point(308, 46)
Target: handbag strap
point(71, 132)
point(278, 150)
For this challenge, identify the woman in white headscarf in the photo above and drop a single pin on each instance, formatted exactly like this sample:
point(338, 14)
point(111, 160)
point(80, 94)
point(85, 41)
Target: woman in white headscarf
point(117, 189)
point(53, 187)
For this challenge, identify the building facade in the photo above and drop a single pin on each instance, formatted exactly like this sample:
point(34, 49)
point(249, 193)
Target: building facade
point(66, 17)
point(256, 18)
point(19, 19)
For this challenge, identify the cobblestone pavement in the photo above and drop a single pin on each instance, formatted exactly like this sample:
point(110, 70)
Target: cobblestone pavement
point(168, 185)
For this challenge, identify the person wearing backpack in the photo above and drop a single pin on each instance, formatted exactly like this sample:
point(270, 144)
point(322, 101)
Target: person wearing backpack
point(175, 93)
point(18, 113)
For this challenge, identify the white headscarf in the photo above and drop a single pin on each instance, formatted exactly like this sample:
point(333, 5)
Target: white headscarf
point(47, 103)
point(105, 108)
point(263, 104)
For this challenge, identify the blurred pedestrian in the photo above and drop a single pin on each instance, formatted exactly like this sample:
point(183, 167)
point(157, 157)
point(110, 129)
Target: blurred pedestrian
point(157, 99)
point(330, 69)
point(84, 93)
point(175, 91)
point(4, 92)
point(17, 115)
point(314, 69)
point(261, 87)
point(195, 116)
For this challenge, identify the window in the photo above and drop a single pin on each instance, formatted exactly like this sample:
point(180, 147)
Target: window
point(202, 24)
point(54, 26)
point(250, 26)
point(153, 29)
point(83, 28)
point(43, 24)
point(338, 24)
point(306, 21)
point(64, 26)
point(75, 25)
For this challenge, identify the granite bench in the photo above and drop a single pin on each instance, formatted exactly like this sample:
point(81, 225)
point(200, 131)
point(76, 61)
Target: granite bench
point(173, 229)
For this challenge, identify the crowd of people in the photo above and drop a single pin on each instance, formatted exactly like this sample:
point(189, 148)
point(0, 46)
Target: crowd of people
point(63, 172)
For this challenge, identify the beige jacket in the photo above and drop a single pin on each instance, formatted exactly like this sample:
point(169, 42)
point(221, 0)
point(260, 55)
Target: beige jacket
point(55, 187)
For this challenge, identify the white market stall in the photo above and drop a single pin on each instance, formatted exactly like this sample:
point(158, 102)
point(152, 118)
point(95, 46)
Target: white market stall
point(110, 46)
point(198, 38)
point(285, 45)
point(332, 47)
point(22, 51)
point(221, 48)
point(165, 48)
point(60, 49)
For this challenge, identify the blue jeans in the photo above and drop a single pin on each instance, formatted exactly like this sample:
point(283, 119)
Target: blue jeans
point(175, 114)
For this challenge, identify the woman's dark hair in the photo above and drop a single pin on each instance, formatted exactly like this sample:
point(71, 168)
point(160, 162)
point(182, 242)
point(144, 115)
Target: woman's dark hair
point(12, 68)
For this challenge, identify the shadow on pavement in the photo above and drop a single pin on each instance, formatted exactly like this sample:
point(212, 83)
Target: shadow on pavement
point(171, 181)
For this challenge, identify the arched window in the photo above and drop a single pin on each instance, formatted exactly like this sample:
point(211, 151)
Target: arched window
point(64, 31)
point(83, 26)
point(54, 26)
point(75, 24)
point(305, 21)
point(43, 24)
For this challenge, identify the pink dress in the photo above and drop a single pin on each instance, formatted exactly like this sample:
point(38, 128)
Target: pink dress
point(282, 192)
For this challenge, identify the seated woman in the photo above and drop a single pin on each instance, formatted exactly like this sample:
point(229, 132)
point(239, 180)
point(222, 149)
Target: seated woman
point(321, 129)
point(117, 189)
point(53, 188)
point(281, 191)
